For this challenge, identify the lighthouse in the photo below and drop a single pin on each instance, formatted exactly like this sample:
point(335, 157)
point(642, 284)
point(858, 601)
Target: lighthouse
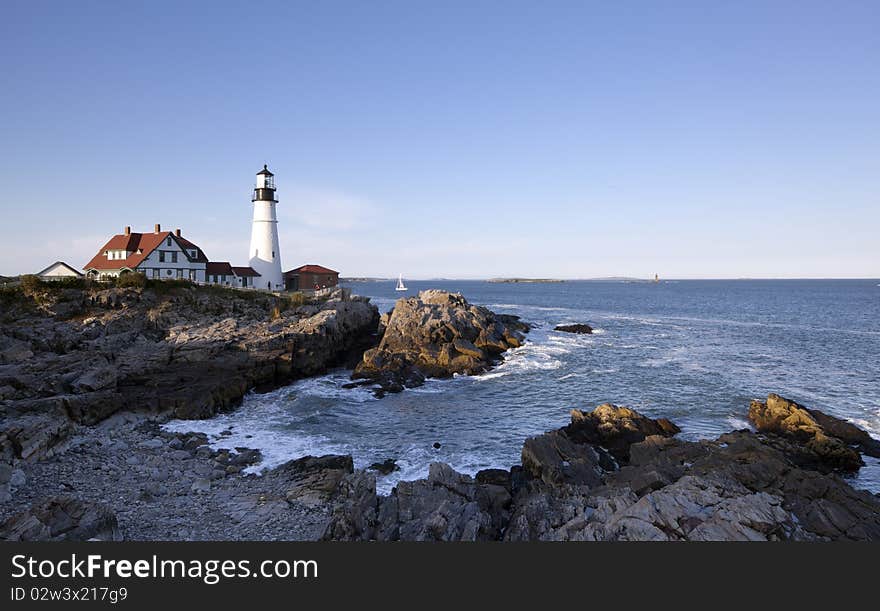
point(265, 253)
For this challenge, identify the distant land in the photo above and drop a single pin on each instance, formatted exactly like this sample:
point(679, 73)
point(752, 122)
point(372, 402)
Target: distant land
point(524, 280)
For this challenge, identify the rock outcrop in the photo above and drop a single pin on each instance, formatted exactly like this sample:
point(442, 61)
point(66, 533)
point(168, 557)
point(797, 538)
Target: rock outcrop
point(62, 519)
point(437, 334)
point(613, 474)
point(580, 329)
point(78, 356)
point(825, 440)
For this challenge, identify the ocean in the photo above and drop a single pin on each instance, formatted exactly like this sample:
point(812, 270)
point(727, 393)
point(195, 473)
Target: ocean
point(693, 351)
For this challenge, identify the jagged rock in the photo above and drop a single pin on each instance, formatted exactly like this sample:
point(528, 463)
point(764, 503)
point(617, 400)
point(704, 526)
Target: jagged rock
point(447, 506)
point(580, 329)
point(98, 378)
point(555, 459)
point(616, 428)
point(539, 508)
point(313, 479)
point(437, 334)
point(385, 467)
point(781, 416)
point(62, 519)
point(711, 508)
point(13, 350)
point(739, 487)
point(354, 517)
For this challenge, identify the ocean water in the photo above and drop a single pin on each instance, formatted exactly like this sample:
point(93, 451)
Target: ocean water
point(693, 351)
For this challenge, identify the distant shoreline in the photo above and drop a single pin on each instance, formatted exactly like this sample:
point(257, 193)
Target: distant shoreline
point(523, 280)
point(604, 279)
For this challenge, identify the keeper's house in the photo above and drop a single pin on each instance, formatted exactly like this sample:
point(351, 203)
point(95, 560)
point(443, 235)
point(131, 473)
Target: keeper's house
point(161, 255)
point(310, 278)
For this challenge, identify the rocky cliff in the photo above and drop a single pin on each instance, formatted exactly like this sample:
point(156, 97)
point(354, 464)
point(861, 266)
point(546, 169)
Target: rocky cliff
point(72, 357)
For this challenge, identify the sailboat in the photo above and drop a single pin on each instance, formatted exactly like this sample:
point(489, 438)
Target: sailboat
point(400, 285)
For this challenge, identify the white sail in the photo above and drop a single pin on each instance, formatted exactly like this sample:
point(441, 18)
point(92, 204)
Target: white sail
point(400, 285)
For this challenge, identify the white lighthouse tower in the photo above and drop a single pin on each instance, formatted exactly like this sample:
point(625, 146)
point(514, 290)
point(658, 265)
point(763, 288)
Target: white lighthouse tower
point(265, 254)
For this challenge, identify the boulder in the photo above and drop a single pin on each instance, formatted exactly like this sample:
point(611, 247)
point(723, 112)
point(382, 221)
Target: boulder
point(385, 467)
point(446, 506)
point(312, 480)
point(580, 329)
point(616, 428)
point(819, 443)
point(62, 519)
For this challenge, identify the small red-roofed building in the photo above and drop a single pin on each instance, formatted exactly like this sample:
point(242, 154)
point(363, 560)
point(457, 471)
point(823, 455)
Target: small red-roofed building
point(310, 278)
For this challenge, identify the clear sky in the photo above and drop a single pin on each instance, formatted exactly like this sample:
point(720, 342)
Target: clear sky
point(451, 139)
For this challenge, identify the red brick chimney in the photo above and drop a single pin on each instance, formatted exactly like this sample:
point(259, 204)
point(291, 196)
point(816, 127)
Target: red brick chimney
point(127, 230)
point(177, 232)
point(157, 228)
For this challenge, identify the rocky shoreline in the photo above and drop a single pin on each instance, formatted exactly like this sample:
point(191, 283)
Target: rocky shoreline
point(614, 475)
point(72, 357)
point(84, 457)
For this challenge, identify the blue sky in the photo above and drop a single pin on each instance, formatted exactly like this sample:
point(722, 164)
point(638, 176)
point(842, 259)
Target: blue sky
point(455, 139)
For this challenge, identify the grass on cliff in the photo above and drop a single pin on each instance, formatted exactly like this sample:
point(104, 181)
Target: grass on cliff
point(31, 291)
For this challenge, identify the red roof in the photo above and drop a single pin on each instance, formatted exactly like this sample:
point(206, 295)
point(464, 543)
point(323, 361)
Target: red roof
point(310, 269)
point(245, 271)
point(201, 258)
point(218, 268)
point(140, 245)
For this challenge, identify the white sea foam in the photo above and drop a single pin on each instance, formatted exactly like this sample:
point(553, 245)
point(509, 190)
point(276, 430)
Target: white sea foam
point(277, 445)
point(871, 426)
point(738, 423)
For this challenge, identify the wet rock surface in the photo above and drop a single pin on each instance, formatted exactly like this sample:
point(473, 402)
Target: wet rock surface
point(437, 334)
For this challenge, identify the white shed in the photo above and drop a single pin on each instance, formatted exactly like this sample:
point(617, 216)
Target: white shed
point(59, 271)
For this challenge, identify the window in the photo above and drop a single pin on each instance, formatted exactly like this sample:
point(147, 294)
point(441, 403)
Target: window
point(168, 241)
point(174, 257)
point(195, 254)
point(273, 254)
point(180, 274)
point(169, 272)
point(155, 273)
point(161, 256)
